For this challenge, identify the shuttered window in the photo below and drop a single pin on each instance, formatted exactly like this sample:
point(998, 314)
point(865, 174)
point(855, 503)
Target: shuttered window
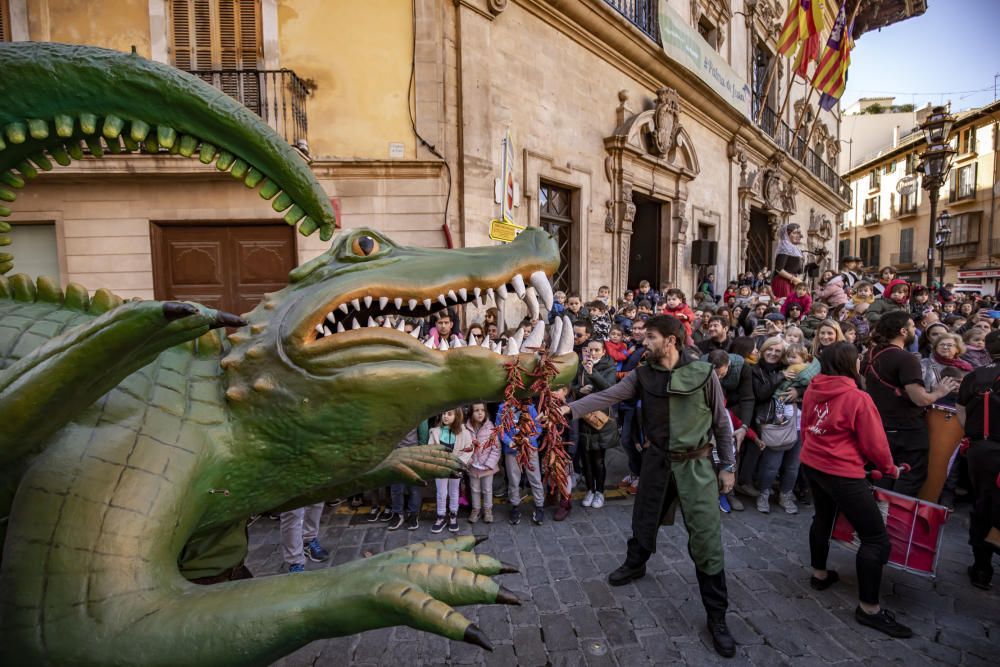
point(4, 21)
point(214, 35)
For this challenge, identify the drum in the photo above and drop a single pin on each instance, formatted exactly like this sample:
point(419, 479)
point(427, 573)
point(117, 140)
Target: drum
point(945, 435)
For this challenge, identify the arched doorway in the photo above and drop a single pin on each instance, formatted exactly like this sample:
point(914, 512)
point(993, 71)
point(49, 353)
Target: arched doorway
point(758, 241)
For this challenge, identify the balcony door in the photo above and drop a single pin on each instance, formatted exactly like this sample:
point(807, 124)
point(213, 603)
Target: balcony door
point(220, 41)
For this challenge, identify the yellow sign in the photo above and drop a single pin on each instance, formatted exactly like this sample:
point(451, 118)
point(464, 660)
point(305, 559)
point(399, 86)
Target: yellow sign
point(502, 231)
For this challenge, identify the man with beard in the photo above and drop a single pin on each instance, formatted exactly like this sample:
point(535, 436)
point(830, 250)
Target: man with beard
point(894, 380)
point(682, 407)
point(718, 336)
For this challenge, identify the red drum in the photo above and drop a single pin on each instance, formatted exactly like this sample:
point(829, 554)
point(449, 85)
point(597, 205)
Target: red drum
point(915, 530)
point(945, 435)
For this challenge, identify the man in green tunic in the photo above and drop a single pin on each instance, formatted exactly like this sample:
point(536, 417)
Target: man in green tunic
point(683, 407)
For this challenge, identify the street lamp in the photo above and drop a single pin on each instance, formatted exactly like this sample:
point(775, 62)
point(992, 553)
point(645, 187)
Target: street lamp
point(941, 239)
point(935, 163)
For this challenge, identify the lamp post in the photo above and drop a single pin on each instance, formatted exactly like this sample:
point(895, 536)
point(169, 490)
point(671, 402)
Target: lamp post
point(935, 163)
point(941, 239)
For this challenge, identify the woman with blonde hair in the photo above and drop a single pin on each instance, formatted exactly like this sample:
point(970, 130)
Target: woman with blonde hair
point(827, 333)
point(945, 361)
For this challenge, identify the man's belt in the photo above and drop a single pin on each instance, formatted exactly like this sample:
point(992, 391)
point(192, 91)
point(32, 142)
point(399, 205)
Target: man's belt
point(689, 455)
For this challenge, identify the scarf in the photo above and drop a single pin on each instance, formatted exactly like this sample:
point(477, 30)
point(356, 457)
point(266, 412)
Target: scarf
point(960, 364)
point(785, 245)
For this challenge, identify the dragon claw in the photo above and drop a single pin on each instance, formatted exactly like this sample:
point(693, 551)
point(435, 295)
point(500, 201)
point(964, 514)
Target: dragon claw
point(175, 310)
point(481, 538)
point(506, 568)
point(474, 635)
point(224, 319)
point(507, 596)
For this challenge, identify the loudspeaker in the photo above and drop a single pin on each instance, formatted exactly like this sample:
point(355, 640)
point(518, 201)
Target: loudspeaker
point(704, 253)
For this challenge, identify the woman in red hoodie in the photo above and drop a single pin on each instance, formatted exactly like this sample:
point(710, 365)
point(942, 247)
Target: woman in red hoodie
point(841, 433)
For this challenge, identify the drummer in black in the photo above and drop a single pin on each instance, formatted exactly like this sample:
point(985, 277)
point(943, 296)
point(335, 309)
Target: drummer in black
point(894, 380)
point(979, 413)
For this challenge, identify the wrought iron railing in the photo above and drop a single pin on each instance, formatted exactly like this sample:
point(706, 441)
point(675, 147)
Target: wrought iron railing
point(643, 14)
point(276, 95)
point(794, 144)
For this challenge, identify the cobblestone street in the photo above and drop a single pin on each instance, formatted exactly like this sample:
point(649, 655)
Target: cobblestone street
point(570, 616)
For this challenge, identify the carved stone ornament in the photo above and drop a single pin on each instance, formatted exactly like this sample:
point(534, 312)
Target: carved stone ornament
point(666, 121)
point(628, 207)
point(609, 218)
point(496, 7)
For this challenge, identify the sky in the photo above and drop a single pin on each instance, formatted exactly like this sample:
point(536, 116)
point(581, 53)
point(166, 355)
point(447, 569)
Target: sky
point(951, 52)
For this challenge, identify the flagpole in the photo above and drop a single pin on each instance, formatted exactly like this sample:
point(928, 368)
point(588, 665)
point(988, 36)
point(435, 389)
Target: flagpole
point(847, 27)
point(767, 88)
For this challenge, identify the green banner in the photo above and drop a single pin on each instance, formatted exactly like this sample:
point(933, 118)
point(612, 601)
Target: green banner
point(685, 46)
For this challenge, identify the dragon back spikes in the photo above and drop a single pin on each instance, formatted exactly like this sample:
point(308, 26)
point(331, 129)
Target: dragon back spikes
point(77, 298)
point(22, 288)
point(48, 290)
point(103, 301)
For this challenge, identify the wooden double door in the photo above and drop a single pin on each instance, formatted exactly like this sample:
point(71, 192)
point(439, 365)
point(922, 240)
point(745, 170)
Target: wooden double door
point(228, 267)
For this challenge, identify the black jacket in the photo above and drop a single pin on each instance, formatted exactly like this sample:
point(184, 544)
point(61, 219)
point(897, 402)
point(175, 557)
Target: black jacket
point(765, 383)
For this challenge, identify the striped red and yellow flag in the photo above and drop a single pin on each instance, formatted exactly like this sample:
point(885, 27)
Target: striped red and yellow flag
point(805, 20)
point(831, 73)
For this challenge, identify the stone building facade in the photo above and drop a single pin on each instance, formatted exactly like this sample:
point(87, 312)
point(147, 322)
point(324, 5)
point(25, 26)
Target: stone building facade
point(889, 223)
point(638, 127)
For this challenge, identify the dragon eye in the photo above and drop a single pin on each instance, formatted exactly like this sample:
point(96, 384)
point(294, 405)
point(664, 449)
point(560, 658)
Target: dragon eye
point(363, 246)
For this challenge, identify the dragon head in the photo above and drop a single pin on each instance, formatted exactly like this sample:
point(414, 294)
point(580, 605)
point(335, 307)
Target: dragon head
point(316, 371)
point(59, 100)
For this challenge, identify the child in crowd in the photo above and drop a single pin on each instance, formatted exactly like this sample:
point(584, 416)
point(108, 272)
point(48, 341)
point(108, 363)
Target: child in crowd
point(863, 293)
point(831, 290)
point(817, 314)
point(484, 463)
point(647, 293)
point(604, 296)
point(857, 318)
point(600, 319)
point(800, 362)
point(675, 305)
point(615, 346)
point(558, 305)
point(625, 317)
point(800, 296)
point(794, 336)
point(574, 309)
point(515, 470)
point(896, 297)
point(451, 433)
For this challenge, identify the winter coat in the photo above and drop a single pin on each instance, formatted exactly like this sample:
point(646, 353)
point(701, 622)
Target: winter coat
point(485, 461)
point(832, 294)
point(978, 358)
point(809, 325)
point(463, 442)
point(682, 313)
point(602, 377)
point(842, 430)
point(617, 351)
point(765, 384)
point(881, 307)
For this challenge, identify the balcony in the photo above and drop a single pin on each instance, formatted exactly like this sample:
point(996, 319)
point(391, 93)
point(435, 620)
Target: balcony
point(795, 146)
point(902, 260)
point(961, 252)
point(871, 219)
point(278, 96)
point(995, 247)
point(643, 14)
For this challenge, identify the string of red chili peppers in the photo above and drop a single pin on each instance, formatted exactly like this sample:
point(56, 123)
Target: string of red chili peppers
point(552, 453)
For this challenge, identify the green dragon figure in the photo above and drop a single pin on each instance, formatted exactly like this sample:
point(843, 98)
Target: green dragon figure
point(135, 441)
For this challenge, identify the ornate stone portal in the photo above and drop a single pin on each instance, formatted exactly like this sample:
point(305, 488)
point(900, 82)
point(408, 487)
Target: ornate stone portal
point(649, 153)
point(763, 186)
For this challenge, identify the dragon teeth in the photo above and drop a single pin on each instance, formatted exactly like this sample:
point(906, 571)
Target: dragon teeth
point(326, 331)
point(415, 332)
point(401, 326)
point(427, 304)
point(441, 300)
point(458, 343)
point(501, 292)
point(486, 343)
point(512, 347)
point(536, 337)
point(344, 309)
point(462, 292)
point(451, 295)
point(443, 346)
point(386, 323)
point(556, 334)
point(541, 284)
point(412, 303)
point(566, 339)
point(476, 292)
point(354, 323)
point(383, 301)
point(372, 322)
point(399, 303)
point(518, 336)
point(518, 282)
point(532, 302)
point(368, 301)
point(356, 304)
point(429, 344)
point(340, 327)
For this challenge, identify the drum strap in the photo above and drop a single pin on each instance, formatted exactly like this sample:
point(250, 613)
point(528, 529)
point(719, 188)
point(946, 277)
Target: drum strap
point(871, 366)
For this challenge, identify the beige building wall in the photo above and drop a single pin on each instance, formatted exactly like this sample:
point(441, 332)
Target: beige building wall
point(118, 25)
point(891, 219)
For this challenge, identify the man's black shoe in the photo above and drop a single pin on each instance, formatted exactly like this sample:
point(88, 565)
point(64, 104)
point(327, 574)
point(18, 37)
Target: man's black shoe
point(395, 521)
point(515, 515)
point(625, 574)
point(980, 578)
point(724, 643)
point(883, 621)
point(538, 516)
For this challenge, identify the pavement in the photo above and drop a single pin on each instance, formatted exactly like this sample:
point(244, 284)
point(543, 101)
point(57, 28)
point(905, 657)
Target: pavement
point(570, 616)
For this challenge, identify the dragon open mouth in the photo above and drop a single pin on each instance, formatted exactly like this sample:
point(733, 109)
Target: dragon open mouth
point(386, 312)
